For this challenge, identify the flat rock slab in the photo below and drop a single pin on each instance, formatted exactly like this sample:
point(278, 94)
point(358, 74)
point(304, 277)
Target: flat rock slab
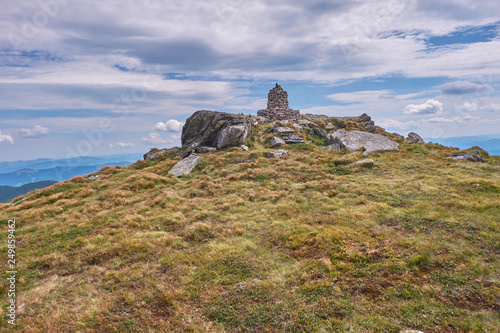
point(185, 166)
point(366, 160)
point(292, 138)
point(356, 140)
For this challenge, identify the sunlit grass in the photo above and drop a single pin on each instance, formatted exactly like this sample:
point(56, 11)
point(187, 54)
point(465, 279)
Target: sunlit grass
point(309, 242)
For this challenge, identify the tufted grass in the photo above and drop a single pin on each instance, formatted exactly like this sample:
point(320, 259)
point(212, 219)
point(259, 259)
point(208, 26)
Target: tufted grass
point(308, 243)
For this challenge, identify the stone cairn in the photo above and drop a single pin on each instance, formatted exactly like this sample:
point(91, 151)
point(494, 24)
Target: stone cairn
point(277, 106)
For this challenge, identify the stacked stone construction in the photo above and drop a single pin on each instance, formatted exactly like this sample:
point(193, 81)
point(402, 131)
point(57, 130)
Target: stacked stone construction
point(277, 106)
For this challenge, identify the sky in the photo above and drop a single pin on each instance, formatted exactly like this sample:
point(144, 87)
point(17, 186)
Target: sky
point(87, 78)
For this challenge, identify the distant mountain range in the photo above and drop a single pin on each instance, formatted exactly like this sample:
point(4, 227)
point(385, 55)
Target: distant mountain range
point(7, 193)
point(46, 163)
point(19, 173)
point(20, 177)
point(490, 143)
point(59, 174)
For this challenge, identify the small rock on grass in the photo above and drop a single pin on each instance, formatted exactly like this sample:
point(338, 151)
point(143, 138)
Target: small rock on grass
point(277, 154)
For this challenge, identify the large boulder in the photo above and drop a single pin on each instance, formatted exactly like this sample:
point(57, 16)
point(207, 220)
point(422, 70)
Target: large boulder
point(356, 140)
point(233, 135)
point(185, 166)
point(414, 138)
point(215, 129)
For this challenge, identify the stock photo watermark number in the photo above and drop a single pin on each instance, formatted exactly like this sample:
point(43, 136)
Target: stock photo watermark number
point(11, 272)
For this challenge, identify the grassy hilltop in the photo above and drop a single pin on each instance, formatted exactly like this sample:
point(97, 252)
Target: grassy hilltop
point(311, 242)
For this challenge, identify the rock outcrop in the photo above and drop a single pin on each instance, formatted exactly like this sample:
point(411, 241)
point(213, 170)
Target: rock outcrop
point(472, 156)
point(215, 129)
point(185, 166)
point(155, 153)
point(414, 138)
point(398, 136)
point(356, 140)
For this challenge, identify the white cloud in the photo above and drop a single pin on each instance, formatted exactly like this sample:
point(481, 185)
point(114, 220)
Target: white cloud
point(154, 138)
point(6, 138)
point(170, 126)
point(121, 145)
point(431, 106)
point(35, 132)
point(465, 88)
point(469, 107)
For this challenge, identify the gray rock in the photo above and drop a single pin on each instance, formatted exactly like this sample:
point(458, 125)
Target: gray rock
point(203, 150)
point(276, 141)
point(472, 156)
point(245, 148)
point(185, 166)
point(364, 118)
point(366, 160)
point(399, 136)
point(304, 122)
point(277, 154)
point(355, 140)
point(215, 129)
point(334, 146)
point(371, 128)
point(319, 131)
point(283, 130)
point(292, 138)
point(329, 127)
point(298, 127)
point(154, 153)
point(233, 135)
point(414, 138)
point(186, 152)
point(262, 120)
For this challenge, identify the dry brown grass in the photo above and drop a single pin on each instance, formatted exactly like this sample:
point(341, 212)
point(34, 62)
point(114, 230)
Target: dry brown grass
point(310, 242)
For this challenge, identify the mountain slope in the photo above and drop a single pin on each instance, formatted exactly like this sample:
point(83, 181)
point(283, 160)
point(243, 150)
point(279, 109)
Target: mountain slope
point(309, 242)
point(7, 193)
